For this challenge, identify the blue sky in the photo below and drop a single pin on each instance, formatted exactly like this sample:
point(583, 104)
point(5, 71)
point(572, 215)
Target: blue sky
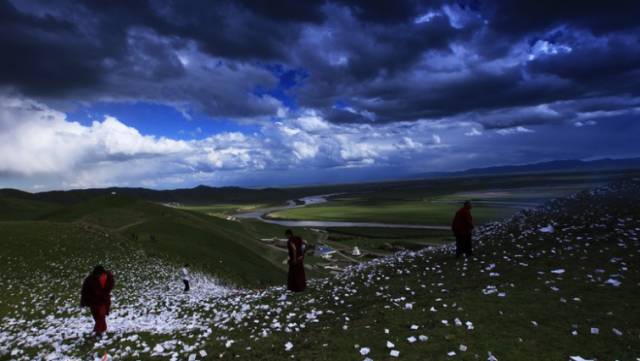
point(159, 120)
point(320, 92)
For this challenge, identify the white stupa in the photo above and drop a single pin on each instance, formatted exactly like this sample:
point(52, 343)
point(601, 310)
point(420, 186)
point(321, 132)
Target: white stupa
point(356, 252)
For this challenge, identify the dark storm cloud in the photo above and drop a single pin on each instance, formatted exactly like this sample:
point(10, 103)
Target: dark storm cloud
point(42, 55)
point(606, 67)
point(480, 58)
point(519, 18)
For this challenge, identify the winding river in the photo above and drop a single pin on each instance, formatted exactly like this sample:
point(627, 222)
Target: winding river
point(260, 214)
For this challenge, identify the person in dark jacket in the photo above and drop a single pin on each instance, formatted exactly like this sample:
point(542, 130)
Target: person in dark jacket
point(297, 281)
point(96, 294)
point(462, 226)
point(184, 273)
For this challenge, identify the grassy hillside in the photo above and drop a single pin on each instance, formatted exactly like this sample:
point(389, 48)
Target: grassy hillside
point(229, 250)
point(217, 246)
point(15, 209)
point(43, 265)
point(546, 284)
point(528, 294)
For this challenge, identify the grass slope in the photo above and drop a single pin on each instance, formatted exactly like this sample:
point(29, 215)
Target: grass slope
point(521, 297)
point(524, 294)
point(43, 265)
point(217, 246)
point(16, 209)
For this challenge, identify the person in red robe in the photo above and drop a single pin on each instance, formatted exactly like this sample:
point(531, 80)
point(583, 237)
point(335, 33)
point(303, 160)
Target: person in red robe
point(462, 226)
point(96, 294)
point(297, 281)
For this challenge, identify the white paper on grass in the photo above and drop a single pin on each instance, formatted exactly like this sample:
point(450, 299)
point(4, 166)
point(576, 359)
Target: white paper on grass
point(547, 229)
point(614, 282)
point(408, 306)
point(365, 351)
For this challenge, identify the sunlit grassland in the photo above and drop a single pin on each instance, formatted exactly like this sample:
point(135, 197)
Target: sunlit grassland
point(223, 210)
point(397, 212)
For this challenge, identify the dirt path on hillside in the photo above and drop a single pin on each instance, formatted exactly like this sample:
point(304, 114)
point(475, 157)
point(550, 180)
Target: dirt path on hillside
point(122, 228)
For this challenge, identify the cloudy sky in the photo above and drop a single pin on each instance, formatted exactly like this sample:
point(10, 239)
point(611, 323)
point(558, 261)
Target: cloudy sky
point(169, 94)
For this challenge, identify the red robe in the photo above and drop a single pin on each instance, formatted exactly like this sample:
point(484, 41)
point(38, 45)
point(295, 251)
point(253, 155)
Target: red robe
point(297, 280)
point(462, 224)
point(96, 294)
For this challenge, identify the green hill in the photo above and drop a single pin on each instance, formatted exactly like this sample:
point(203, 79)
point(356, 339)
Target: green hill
point(220, 247)
point(546, 284)
point(14, 209)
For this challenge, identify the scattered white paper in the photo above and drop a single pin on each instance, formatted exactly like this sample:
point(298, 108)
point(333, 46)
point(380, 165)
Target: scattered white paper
point(408, 306)
point(578, 358)
point(614, 282)
point(547, 229)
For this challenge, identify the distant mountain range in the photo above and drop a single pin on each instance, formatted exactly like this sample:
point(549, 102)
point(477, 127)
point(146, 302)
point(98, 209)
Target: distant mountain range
point(204, 194)
point(569, 165)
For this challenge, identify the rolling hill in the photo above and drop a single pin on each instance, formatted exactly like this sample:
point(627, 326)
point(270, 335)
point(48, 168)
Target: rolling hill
point(547, 284)
point(226, 249)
